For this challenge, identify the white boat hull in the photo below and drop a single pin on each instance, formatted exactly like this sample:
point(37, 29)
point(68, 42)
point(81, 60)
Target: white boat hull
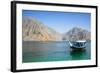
point(77, 44)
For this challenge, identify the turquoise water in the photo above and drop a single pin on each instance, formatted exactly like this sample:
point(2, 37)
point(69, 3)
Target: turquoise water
point(35, 51)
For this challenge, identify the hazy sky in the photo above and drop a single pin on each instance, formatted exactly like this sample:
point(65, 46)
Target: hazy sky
point(61, 21)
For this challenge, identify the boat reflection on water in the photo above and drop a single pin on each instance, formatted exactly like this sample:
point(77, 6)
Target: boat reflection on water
point(77, 53)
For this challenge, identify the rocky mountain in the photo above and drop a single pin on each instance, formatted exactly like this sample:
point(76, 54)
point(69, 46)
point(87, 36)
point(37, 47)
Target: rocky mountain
point(35, 30)
point(77, 33)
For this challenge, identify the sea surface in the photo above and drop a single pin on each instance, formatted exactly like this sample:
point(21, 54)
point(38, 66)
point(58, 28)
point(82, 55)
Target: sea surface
point(37, 51)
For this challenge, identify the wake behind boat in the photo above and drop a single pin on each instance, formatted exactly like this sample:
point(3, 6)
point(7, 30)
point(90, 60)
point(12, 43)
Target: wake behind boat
point(80, 44)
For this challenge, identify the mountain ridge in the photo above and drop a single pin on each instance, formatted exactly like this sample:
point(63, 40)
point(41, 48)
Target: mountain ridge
point(78, 33)
point(35, 30)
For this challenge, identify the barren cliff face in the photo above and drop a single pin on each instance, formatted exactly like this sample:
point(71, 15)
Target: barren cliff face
point(78, 34)
point(34, 30)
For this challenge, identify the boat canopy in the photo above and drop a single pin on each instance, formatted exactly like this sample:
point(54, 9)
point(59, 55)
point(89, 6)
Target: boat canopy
point(81, 41)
